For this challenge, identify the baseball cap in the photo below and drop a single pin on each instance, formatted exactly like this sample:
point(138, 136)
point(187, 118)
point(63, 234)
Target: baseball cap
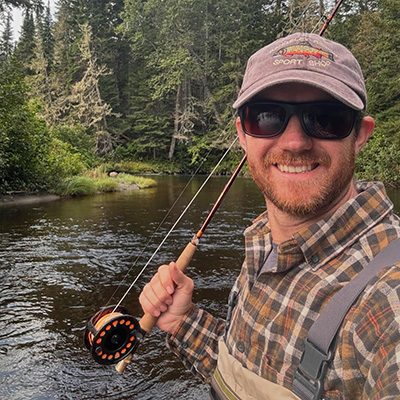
point(305, 58)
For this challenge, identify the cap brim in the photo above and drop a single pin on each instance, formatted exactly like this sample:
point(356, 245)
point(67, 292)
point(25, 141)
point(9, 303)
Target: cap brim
point(334, 87)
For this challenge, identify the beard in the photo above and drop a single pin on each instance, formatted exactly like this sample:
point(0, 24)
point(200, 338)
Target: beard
point(305, 197)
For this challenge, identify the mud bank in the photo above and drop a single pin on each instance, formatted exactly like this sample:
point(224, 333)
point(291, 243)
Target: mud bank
point(10, 200)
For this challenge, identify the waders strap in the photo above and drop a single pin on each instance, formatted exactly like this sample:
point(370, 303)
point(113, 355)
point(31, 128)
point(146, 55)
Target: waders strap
point(319, 346)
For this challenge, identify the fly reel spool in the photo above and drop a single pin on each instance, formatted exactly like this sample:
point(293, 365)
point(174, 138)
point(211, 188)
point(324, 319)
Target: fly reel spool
point(112, 334)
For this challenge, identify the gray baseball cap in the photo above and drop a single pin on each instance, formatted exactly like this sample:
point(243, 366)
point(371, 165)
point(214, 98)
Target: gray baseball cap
point(306, 58)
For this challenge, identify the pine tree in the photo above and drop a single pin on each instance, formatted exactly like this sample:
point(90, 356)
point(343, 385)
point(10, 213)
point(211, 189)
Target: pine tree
point(39, 80)
point(6, 43)
point(25, 47)
point(64, 61)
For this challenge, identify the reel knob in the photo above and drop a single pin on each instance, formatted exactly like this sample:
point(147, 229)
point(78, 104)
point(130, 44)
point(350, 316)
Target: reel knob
point(112, 334)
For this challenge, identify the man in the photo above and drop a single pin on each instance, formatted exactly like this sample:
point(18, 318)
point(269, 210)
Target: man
point(301, 125)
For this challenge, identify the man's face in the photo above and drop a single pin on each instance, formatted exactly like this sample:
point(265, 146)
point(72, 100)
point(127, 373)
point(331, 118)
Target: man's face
point(300, 175)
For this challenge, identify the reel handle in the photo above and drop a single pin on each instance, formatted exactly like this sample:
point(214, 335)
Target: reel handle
point(147, 322)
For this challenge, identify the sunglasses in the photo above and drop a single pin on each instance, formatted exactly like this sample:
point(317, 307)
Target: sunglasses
point(320, 120)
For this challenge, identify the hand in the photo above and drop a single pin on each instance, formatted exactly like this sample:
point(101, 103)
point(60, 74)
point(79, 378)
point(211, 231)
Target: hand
point(168, 296)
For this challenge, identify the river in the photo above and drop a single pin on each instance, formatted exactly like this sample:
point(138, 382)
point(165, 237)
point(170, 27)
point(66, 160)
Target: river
point(61, 261)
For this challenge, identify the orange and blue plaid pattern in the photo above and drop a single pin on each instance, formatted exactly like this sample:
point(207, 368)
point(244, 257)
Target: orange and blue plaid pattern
point(276, 308)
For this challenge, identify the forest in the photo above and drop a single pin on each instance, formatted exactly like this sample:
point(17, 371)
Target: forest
point(147, 85)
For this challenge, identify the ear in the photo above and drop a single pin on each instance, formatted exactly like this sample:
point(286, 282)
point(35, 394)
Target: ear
point(365, 132)
point(241, 134)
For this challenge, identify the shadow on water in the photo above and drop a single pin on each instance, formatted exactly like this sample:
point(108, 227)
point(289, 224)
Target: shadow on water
point(60, 262)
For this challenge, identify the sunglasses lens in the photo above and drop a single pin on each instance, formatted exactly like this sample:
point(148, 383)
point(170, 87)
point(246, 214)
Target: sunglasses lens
point(332, 121)
point(327, 121)
point(263, 120)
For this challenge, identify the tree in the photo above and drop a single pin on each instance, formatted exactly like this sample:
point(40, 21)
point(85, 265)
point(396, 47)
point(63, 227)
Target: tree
point(26, 4)
point(39, 79)
point(25, 48)
point(6, 42)
point(87, 105)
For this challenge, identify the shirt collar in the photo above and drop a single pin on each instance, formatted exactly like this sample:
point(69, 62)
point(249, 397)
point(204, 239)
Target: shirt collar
point(323, 240)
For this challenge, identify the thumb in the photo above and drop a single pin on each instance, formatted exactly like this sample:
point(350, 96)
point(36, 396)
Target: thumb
point(179, 278)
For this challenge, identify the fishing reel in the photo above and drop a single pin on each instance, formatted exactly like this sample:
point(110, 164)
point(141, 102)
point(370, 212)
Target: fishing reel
point(112, 334)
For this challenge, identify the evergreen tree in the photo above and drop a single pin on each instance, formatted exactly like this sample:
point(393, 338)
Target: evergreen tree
point(6, 43)
point(88, 107)
point(25, 48)
point(39, 80)
point(64, 62)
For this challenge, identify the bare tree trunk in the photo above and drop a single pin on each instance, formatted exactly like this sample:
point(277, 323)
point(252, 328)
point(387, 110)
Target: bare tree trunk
point(321, 8)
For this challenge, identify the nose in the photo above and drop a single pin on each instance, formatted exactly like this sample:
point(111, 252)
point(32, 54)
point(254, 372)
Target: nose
point(294, 138)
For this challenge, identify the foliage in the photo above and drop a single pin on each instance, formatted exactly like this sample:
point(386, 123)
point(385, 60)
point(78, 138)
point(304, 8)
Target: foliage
point(380, 159)
point(96, 181)
point(139, 181)
point(147, 86)
point(77, 186)
point(63, 162)
point(140, 167)
point(23, 137)
point(106, 184)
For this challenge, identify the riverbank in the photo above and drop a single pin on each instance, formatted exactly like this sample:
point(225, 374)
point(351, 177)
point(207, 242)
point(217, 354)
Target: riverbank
point(93, 183)
point(27, 198)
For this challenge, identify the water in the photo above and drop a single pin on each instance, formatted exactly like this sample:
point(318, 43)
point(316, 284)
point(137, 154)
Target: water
point(60, 262)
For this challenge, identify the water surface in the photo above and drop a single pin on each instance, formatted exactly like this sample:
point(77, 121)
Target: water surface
point(60, 262)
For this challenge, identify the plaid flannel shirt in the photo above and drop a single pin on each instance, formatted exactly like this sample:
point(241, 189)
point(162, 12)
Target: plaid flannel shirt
point(275, 309)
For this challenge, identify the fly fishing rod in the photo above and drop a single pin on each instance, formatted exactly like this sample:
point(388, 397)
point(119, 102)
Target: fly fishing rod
point(113, 334)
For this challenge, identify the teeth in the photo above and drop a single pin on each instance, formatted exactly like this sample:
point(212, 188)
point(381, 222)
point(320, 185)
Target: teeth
point(294, 170)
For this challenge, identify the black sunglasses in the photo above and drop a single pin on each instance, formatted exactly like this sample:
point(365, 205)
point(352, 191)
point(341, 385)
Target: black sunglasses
point(320, 120)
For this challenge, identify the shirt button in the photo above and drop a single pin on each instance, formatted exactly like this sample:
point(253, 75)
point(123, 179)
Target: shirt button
point(185, 345)
point(240, 347)
point(315, 259)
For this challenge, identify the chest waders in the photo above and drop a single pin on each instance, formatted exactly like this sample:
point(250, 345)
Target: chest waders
point(231, 381)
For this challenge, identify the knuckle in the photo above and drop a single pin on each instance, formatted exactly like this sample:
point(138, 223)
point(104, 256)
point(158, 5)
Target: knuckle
point(190, 284)
point(162, 268)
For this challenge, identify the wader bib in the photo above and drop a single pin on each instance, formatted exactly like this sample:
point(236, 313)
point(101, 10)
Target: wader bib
point(234, 382)
point(231, 381)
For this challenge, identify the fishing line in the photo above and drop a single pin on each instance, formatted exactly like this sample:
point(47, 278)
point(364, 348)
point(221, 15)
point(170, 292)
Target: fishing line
point(113, 334)
point(176, 222)
point(204, 159)
point(298, 20)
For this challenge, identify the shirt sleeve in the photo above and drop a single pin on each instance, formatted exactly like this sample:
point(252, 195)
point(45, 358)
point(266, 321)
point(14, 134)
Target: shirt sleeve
point(195, 342)
point(383, 380)
point(376, 339)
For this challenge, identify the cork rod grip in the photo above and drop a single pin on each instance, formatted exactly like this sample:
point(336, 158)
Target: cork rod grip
point(147, 322)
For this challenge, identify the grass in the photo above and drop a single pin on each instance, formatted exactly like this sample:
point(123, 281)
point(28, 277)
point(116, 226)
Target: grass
point(97, 181)
point(142, 167)
point(78, 186)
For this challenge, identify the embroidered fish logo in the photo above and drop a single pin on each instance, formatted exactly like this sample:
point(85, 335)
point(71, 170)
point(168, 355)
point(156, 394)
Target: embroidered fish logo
point(306, 50)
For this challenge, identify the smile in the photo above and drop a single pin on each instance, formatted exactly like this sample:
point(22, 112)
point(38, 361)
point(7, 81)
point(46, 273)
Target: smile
point(298, 169)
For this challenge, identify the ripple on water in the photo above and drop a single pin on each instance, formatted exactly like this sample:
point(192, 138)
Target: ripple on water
point(62, 261)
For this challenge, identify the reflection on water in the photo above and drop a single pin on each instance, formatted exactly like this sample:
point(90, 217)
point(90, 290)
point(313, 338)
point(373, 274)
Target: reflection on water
point(60, 262)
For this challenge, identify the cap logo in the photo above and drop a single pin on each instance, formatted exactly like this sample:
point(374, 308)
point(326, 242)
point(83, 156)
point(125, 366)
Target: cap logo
point(303, 54)
point(304, 49)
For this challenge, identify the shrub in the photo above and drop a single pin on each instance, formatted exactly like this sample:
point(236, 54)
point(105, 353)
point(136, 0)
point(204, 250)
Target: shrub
point(62, 162)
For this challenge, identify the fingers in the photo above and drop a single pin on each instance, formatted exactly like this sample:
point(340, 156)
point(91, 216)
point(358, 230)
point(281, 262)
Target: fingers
point(164, 288)
point(156, 295)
